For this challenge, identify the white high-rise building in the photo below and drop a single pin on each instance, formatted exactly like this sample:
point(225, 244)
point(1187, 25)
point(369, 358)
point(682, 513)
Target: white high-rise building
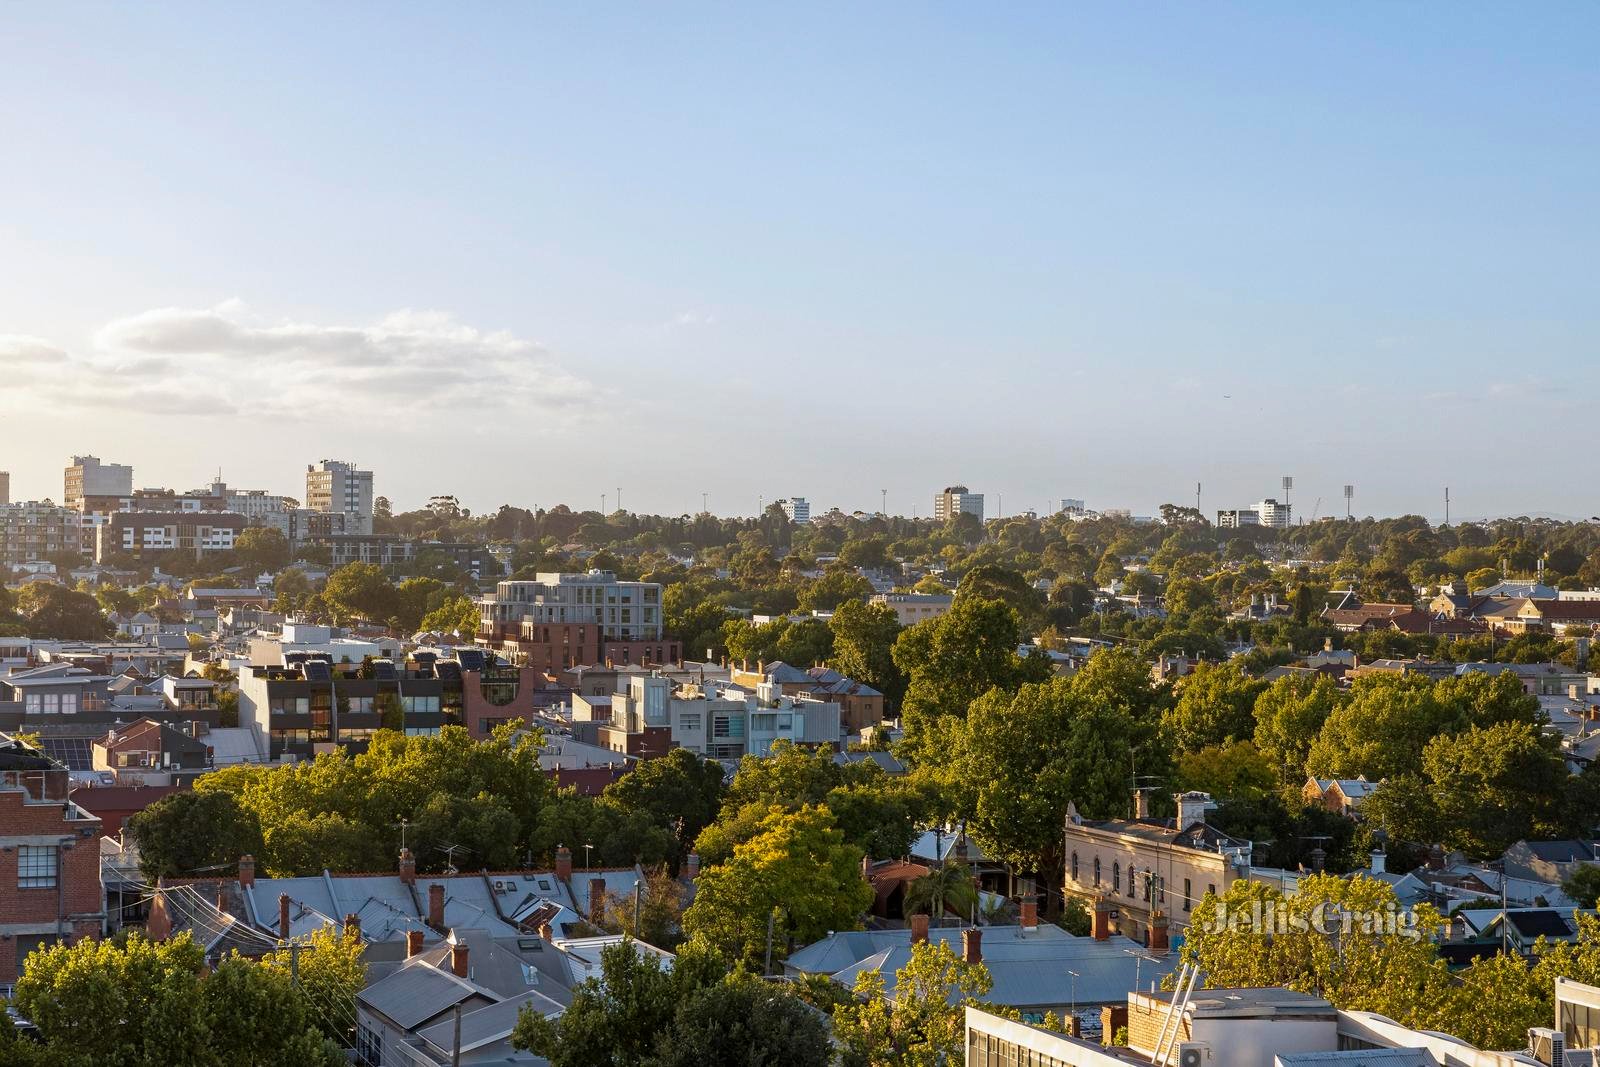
point(1273, 514)
point(336, 487)
point(956, 500)
point(798, 508)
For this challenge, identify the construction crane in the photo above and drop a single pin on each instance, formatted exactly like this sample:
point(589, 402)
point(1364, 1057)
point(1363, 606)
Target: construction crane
point(1316, 508)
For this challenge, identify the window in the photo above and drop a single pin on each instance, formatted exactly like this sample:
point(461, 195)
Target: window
point(689, 721)
point(1074, 866)
point(1097, 870)
point(1212, 889)
point(1188, 899)
point(1161, 890)
point(1116, 877)
point(369, 1046)
point(36, 866)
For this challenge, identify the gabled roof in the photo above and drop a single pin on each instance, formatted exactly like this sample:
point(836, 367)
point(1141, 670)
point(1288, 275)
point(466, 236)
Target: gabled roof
point(417, 991)
point(485, 1026)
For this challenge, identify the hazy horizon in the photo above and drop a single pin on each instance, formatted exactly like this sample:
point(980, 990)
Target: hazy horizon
point(527, 255)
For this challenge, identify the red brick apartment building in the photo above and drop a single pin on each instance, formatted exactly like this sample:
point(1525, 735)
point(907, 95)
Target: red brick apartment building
point(50, 887)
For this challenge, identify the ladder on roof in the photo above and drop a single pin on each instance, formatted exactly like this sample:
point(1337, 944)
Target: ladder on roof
point(1188, 978)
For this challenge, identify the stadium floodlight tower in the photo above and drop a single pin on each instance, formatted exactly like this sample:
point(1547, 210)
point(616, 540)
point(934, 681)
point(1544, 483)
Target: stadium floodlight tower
point(1349, 491)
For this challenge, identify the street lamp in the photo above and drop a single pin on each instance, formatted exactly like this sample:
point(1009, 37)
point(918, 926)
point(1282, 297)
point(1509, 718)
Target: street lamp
point(587, 849)
point(1075, 977)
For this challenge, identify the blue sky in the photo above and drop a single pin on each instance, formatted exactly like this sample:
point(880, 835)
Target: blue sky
point(529, 253)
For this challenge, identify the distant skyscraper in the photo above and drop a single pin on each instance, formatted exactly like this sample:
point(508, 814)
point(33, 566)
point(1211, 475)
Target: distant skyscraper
point(955, 500)
point(5, 487)
point(89, 477)
point(1274, 514)
point(798, 508)
point(333, 487)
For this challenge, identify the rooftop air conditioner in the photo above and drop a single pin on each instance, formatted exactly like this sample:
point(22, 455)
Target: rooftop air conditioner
point(1548, 1046)
point(1193, 1054)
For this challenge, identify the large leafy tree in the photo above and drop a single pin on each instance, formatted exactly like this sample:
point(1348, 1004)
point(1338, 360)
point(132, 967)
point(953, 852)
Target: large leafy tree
point(680, 791)
point(360, 591)
point(798, 867)
point(1215, 705)
point(1379, 967)
point(923, 1023)
point(954, 659)
point(57, 612)
point(863, 648)
point(743, 1022)
point(262, 548)
point(1289, 714)
point(189, 832)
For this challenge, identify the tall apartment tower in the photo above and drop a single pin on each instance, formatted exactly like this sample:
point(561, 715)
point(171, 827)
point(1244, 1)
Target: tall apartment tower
point(5, 487)
point(798, 508)
point(955, 500)
point(338, 488)
point(89, 477)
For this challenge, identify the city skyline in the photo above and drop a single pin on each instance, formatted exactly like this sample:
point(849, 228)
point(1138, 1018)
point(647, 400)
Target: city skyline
point(1213, 246)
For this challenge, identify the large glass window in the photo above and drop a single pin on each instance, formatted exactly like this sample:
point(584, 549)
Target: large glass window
point(36, 866)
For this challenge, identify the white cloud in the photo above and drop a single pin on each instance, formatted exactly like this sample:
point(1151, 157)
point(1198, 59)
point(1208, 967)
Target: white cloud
point(225, 361)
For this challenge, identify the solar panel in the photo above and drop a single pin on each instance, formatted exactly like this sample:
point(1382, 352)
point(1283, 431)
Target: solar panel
point(383, 670)
point(76, 753)
point(471, 659)
point(424, 657)
point(316, 670)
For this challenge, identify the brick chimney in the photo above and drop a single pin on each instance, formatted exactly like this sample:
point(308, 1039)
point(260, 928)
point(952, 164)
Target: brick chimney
point(1030, 915)
point(283, 916)
point(972, 945)
point(458, 959)
point(414, 940)
point(1100, 920)
point(691, 866)
point(1141, 804)
point(866, 867)
point(408, 867)
point(1160, 943)
point(436, 905)
point(158, 927)
point(247, 871)
point(563, 862)
point(352, 925)
point(919, 928)
point(597, 900)
point(546, 933)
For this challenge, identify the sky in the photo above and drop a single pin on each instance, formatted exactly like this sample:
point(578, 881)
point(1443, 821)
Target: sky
point(531, 254)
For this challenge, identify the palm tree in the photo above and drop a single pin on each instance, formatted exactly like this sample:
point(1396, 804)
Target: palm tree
point(943, 890)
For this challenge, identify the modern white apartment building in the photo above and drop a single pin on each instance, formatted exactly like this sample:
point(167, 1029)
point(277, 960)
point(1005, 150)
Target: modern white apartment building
point(335, 486)
point(1232, 520)
point(798, 508)
point(1273, 514)
point(956, 500)
point(628, 611)
point(87, 476)
point(718, 720)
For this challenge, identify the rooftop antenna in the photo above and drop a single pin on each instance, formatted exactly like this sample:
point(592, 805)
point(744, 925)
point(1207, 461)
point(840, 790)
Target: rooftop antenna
point(450, 857)
point(1349, 491)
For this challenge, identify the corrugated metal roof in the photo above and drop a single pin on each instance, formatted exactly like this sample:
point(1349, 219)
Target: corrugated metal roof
point(416, 993)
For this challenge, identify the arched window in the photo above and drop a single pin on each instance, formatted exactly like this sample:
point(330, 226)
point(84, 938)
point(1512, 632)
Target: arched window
point(1074, 866)
point(1116, 877)
point(1097, 870)
point(1133, 880)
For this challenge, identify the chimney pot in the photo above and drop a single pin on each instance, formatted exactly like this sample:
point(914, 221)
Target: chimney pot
point(283, 916)
point(247, 871)
point(563, 862)
point(972, 945)
point(1160, 942)
point(1141, 804)
point(436, 905)
point(458, 959)
point(1100, 920)
point(1030, 915)
point(352, 925)
point(919, 928)
point(408, 867)
point(1378, 861)
point(546, 933)
point(414, 940)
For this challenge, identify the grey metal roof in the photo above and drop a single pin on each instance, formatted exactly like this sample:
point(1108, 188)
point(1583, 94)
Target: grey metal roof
point(486, 1025)
point(416, 993)
point(1377, 1057)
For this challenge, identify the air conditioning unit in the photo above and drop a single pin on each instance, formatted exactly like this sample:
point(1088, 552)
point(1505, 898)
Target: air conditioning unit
point(1193, 1054)
point(1548, 1046)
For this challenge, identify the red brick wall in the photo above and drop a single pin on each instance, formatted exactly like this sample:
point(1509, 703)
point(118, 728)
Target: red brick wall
point(80, 891)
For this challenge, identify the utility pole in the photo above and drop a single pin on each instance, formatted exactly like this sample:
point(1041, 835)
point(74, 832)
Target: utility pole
point(1447, 505)
point(455, 1055)
point(771, 919)
point(294, 961)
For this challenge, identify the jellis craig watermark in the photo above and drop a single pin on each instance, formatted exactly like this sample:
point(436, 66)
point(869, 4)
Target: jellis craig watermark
point(1325, 918)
